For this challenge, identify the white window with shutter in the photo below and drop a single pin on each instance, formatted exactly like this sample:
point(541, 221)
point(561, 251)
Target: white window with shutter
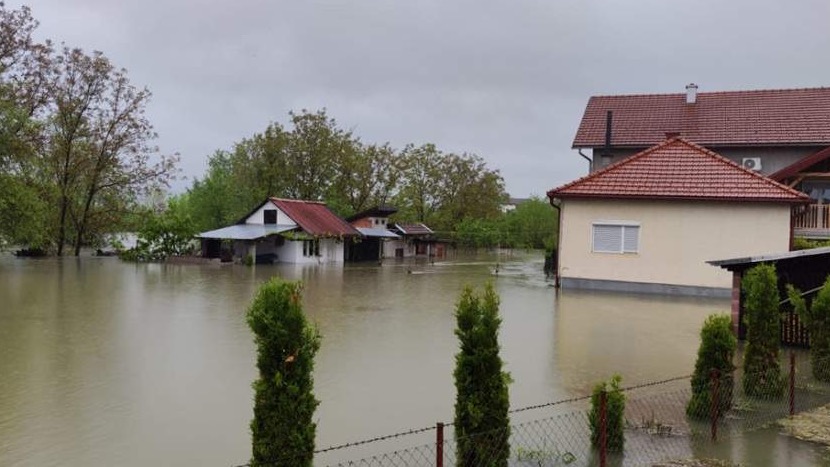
point(615, 237)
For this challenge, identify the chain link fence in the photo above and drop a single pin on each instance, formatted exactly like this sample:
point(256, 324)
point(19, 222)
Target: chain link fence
point(657, 427)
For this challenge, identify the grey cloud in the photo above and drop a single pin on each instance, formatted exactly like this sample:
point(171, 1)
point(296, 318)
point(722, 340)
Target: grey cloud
point(505, 80)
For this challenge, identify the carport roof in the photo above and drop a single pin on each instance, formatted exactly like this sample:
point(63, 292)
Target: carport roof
point(246, 231)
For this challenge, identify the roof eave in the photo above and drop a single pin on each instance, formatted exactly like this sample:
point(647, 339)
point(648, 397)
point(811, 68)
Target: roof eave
point(605, 196)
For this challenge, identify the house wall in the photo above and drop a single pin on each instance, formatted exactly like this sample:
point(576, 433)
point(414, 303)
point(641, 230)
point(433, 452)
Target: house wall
point(390, 246)
point(676, 240)
point(773, 159)
point(331, 251)
point(259, 218)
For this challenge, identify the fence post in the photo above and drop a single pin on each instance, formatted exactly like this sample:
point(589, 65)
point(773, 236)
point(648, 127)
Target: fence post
point(603, 427)
point(792, 383)
point(439, 444)
point(714, 377)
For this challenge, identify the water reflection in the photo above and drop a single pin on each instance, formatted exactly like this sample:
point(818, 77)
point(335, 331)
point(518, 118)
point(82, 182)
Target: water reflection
point(108, 363)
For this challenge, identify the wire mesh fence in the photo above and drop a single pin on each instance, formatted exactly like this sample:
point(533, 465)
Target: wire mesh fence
point(659, 425)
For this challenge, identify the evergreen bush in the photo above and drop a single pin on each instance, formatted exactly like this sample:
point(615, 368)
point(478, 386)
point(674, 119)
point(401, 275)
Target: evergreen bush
point(615, 418)
point(282, 429)
point(817, 320)
point(716, 351)
point(762, 370)
point(482, 425)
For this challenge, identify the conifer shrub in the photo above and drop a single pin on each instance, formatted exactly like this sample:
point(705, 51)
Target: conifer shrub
point(615, 418)
point(716, 352)
point(282, 430)
point(762, 369)
point(482, 425)
point(817, 320)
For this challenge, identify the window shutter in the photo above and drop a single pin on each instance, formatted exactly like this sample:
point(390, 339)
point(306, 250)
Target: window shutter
point(607, 238)
point(631, 239)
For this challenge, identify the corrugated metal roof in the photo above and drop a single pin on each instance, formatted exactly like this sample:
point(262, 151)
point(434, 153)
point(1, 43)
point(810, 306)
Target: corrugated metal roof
point(315, 218)
point(733, 118)
point(246, 231)
point(733, 263)
point(382, 233)
point(413, 229)
point(679, 169)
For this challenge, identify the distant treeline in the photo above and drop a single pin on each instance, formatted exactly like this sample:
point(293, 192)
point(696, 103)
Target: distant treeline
point(456, 195)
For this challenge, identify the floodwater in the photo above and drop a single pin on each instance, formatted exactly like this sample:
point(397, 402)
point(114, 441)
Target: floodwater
point(111, 363)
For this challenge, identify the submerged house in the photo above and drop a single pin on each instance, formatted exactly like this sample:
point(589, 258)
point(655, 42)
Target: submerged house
point(284, 230)
point(372, 225)
point(782, 133)
point(649, 222)
point(415, 240)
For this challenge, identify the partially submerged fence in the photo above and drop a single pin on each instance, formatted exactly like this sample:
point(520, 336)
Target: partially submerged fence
point(657, 428)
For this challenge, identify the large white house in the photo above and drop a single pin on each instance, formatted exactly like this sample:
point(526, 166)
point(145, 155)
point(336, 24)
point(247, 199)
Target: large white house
point(283, 230)
point(650, 222)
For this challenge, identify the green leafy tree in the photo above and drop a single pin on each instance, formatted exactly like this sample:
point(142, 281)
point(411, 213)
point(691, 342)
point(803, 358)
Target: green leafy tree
point(169, 233)
point(533, 224)
point(716, 352)
point(99, 144)
point(482, 427)
point(762, 369)
point(817, 320)
point(615, 415)
point(283, 429)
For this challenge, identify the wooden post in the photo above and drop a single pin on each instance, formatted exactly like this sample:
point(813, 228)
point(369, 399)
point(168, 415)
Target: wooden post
point(792, 383)
point(439, 444)
point(714, 378)
point(603, 428)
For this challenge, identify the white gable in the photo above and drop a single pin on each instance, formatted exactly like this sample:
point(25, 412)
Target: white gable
point(258, 216)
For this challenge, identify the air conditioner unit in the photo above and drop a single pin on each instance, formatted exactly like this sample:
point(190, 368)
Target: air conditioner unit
point(751, 163)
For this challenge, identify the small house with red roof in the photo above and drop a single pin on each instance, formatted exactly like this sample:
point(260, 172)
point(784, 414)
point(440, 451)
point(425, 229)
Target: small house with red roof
point(781, 133)
point(649, 222)
point(283, 230)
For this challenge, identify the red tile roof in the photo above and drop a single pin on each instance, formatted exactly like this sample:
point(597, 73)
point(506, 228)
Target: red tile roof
point(734, 118)
point(314, 217)
point(679, 169)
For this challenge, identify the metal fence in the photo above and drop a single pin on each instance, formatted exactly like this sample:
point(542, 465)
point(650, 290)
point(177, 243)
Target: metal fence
point(656, 425)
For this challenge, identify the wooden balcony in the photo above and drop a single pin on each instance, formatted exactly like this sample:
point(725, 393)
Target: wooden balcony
point(812, 221)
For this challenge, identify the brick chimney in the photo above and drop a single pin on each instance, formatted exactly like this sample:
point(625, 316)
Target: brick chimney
point(691, 93)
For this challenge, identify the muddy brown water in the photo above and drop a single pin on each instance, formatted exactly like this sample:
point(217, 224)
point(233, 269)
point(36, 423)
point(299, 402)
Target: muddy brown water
point(110, 363)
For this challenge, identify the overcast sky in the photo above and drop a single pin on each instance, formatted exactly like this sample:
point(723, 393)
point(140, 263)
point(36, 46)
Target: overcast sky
point(505, 80)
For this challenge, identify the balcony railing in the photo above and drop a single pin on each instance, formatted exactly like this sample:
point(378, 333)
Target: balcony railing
point(812, 220)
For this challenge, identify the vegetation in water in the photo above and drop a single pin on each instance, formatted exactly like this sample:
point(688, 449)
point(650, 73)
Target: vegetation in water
point(762, 369)
point(163, 234)
point(817, 320)
point(615, 415)
point(76, 149)
point(716, 352)
point(482, 425)
point(313, 158)
point(532, 224)
point(283, 429)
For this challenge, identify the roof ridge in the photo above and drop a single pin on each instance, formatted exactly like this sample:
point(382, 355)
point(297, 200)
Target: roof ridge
point(669, 142)
point(700, 93)
point(274, 198)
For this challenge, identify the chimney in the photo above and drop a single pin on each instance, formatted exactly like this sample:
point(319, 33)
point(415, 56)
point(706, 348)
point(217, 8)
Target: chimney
point(691, 93)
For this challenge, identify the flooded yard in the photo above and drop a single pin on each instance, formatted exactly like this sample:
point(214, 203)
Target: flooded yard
point(111, 363)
